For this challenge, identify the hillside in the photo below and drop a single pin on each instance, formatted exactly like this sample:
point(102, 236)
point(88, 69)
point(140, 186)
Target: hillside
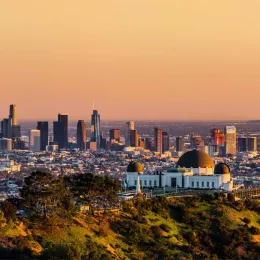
point(208, 227)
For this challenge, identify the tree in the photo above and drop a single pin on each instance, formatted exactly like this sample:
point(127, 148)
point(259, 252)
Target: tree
point(9, 210)
point(43, 194)
point(94, 190)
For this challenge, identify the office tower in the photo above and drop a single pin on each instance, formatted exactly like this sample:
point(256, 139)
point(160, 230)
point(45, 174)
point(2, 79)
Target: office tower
point(141, 143)
point(18, 144)
point(12, 115)
point(129, 126)
point(196, 141)
point(158, 139)
point(252, 143)
point(148, 143)
point(43, 126)
point(242, 144)
point(16, 131)
point(81, 135)
point(35, 140)
point(231, 140)
point(114, 134)
point(165, 142)
point(4, 127)
point(134, 138)
point(180, 145)
point(13, 129)
point(5, 144)
point(95, 129)
point(60, 131)
point(217, 138)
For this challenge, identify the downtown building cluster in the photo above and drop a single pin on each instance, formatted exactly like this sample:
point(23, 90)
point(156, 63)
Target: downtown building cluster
point(222, 142)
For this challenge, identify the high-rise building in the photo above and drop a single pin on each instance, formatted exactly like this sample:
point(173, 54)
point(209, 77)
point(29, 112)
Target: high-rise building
point(43, 126)
point(114, 134)
point(4, 127)
point(158, 140)
point(230, 140)
point(252, 143)
point(16, 131)
point(35, 140)
point(141, 143)
point(60, 131)
point(81, 135)
point(10, 127)
point(18, 144)
point(196, 141)
point(217, 138)
point(180, 145)
point(5, 144)
point(95, 129)
point(129, 126)
point(12, 115)
point(134, 138)
point(242, 144)
point(165, 142)
point(148, 143)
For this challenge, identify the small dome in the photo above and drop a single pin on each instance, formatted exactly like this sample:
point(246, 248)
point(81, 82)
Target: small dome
point(135, 167)
point(195, 159)
point(222, 168)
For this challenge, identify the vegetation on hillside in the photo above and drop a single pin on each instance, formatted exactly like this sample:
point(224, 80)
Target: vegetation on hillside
point(51, 225)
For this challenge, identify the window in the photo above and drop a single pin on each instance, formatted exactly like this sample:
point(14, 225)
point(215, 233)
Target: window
point(192, 184)
point(150, 183)
point(135, 182)
point(155, 183)
point(202, 184)
point(208, 184)
point(213, 184)
point(198, 184)
point(140, 183)
point(145, 183)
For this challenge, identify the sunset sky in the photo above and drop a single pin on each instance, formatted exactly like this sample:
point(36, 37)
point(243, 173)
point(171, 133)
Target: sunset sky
point(138, 59)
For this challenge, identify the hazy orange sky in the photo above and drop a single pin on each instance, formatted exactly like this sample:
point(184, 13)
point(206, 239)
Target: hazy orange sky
point(138, 59)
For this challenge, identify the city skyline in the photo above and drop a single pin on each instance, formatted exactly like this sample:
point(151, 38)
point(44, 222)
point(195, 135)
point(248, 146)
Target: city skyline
point(139, 60)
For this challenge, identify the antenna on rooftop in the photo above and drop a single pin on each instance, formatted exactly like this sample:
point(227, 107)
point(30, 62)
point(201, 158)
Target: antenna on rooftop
point(93, 104)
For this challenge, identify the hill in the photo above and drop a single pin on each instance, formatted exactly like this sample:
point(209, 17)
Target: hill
point(206, 227)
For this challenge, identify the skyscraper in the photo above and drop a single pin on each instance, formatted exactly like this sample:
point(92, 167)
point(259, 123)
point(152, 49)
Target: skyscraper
point(13, 129)
point(242, 144)
point(12, 115)
point(60, 131)
point(4, 127)
point(180, 145)
point(165, 142)
point(230, 140)
point(158, 139)
point(81, 135)
point(114, 134)
point(5, 144)
point(43, 126)
point(35, 140)
point(217, 138)
point(252, 143)
point(134, 138)
point(129, 126)
point(95, 129)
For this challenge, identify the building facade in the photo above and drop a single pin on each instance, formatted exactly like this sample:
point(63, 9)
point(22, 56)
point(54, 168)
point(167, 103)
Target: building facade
point(81, 135)
point(43, 126)
point(194, 170)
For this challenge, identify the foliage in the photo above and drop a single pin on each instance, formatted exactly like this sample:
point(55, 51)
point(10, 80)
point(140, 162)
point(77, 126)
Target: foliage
point(88, 188)
point(9, 210)
point(43, 195)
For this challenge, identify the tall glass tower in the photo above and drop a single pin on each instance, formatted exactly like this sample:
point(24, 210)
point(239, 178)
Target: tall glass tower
point(95, 128)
